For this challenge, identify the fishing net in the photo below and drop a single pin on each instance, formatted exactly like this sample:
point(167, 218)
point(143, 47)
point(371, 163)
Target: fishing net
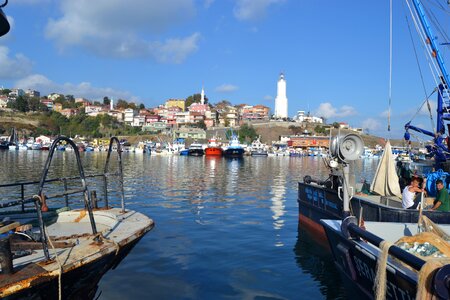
point(431, 243)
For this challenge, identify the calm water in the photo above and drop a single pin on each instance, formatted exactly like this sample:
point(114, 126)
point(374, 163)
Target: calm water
point(225, 229)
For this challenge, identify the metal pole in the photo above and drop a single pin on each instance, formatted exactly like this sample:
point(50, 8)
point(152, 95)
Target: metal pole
point(346, 198)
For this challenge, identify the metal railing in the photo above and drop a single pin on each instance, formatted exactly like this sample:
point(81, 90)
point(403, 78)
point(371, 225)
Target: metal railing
point(90, 203)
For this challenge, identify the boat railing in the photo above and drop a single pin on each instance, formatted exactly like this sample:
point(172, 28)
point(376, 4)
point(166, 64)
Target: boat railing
point(90, 199)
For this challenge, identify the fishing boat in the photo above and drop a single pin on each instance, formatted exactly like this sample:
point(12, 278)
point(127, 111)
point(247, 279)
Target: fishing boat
point(196, 149)
point(357, 252)
point(234, 148)
point(62, 255)
point(322, 199)
point(213, 148)
point(258, 148)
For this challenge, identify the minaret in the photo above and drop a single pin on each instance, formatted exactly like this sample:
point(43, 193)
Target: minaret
point(281, 102)
point(202, 99)
point(111, 104)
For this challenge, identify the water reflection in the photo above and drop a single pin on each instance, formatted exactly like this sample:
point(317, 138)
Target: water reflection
point(225, 228)
point(312, 258)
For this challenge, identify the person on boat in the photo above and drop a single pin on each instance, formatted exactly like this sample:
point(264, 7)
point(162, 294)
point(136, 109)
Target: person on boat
point(442, 202)
point(409, 199)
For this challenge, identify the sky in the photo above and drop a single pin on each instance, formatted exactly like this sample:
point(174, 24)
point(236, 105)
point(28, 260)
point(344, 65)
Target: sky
point(334, 54)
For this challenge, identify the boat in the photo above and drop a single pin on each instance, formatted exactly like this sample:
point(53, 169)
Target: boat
point(196, 149)
point(322, 199)
point(357, 252)
point(258, 148)
point(213, 148)
point(234, 148)
point(61, 256)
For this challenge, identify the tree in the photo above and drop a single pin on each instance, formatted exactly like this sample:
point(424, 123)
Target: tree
point(106, 101)
point(132, 105)
point(5, 91)
point(97, 103)
point(141, 106)
point(319, 129)
point(21, 104)
point(70, 98)
point(223, 104)
point(336, 125)
point(248, 133)
point(35, 104)
point(121, 104)
point(201, 124)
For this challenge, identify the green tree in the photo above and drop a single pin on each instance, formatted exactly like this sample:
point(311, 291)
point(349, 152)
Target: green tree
point(319, 129)
point(5, 91)
point(70, 98)
point(121, 104)
point(336, 125)
point(196, 98)
point(223, 104)
point(132, 105)
point(247, 133)
point(141, 106)
point(106, 101)
point(201, 124)
point(22, 104)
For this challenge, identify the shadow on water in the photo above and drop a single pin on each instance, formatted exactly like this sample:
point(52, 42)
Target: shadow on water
point(313, 258)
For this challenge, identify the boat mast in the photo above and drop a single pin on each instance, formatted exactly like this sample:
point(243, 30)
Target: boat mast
point(440, 150)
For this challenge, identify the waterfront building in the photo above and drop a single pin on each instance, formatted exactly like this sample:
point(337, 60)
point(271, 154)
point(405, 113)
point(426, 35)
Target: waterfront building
point(194, 133)
point(3, 101)
point(302, 117)
point(281, 101)
point(128, 115)
point(308, 141)
point(32, 93)
point(16, 93)
point(93, 110)
point(155, 127)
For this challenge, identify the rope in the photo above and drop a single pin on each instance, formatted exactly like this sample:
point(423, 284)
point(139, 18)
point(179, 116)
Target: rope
point(379, 285)
point(425, 280)
point(60, 270)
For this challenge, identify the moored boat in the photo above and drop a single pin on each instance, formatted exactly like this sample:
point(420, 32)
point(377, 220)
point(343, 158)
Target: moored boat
point(213, 148)
point(65, 254)
point(234, 148)
point(196, 149)
point(258, 148)
point(322, 199)
point(357, 251)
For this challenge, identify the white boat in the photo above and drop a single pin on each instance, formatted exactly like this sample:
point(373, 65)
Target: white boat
point(258, 148)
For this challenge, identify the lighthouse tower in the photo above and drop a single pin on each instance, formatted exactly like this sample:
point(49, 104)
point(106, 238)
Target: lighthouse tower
point(281, 102)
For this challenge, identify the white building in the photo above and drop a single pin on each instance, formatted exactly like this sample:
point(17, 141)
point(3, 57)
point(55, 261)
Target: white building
point(302, 117)
point(128, 116)
point(281, 101)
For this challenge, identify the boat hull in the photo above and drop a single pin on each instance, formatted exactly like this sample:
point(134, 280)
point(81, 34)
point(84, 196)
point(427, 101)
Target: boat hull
point(317, 202)
point(196, 152)
point(357, 267)
point(213, 151)
point(258, 153)
point(234, 152)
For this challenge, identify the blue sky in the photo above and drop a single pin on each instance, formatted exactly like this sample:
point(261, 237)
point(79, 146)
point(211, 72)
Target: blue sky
point(335, 54)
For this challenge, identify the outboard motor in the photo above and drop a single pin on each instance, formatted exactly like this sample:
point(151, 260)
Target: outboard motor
point(4, 24)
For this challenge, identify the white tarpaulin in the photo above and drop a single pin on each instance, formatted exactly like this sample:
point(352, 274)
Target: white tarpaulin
point(385, 182)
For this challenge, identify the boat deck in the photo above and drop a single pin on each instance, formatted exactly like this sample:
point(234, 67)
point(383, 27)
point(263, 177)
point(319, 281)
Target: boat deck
point(75, 245)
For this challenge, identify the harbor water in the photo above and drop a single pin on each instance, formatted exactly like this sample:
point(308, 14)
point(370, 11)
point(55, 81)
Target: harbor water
point(225, 228)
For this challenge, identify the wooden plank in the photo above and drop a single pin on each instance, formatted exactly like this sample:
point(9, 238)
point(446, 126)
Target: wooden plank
point(9, 227)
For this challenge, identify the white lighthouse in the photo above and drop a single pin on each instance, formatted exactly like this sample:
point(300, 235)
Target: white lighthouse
point(281, 101)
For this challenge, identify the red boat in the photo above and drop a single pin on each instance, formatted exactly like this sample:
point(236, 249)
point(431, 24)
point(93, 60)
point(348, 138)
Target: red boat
point(213, 148)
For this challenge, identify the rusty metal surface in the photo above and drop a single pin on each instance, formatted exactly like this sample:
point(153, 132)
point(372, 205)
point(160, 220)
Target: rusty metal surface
point(75, 251)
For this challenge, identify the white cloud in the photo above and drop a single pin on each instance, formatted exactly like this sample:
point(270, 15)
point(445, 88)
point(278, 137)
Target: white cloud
point(84, 89)
point(226, 88)
point(13, 67)
point(371, 124)
point(327, 111)
point(252, 10)
point(116, 28)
